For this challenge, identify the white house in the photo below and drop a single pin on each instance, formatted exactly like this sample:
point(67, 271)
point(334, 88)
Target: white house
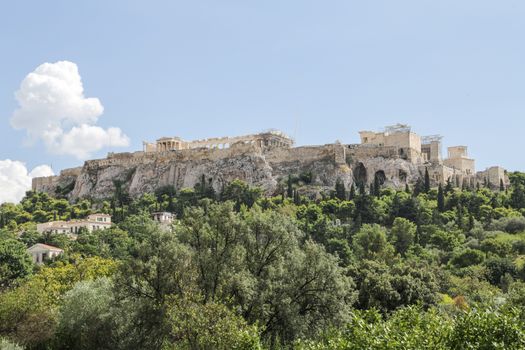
point(41, 252)
point(93, 222)
point(163, 217)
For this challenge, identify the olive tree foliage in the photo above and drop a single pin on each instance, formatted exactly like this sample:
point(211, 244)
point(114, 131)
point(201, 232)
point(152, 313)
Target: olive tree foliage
point(157, 267)
point(259, 262)
point(198, 325)
point(86, 318)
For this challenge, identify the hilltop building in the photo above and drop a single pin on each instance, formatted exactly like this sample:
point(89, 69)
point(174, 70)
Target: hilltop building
point(269, 138)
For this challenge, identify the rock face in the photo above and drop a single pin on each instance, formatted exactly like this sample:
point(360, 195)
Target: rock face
point(140, 172)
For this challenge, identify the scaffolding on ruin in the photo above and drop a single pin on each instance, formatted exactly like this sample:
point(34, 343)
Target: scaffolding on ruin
point(431, 138)
point(396, 128)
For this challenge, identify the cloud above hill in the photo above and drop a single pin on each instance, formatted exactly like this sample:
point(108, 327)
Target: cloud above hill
point(15, 179)
point(53, 109)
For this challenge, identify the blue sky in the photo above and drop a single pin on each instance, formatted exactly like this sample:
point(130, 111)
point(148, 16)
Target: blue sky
point(318, 70)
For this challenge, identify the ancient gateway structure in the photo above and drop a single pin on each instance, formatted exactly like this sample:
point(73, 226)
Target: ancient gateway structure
point(395, 156)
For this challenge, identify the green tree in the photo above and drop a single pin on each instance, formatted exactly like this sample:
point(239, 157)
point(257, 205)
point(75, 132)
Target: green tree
point(15, 262)
point(86, 319)
point(387, 287)
point(157, 268)
point(340, 191)
point(440, 199)
point(371, 242)
point(241, 194)
point(426, 187)
point(197, 325)
point(467, 257)
point(289, 186)
point(403, 234)
point(487, 329)
point(352, 191)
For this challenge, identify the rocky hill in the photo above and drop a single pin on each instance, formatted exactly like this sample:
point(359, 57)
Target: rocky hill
point(267, 168)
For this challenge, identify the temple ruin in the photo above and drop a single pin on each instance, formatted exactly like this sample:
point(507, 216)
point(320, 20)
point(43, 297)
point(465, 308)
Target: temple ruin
point(269, 138)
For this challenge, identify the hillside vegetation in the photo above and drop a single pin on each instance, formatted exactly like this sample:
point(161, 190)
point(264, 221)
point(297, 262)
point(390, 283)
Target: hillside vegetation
point(362, 268)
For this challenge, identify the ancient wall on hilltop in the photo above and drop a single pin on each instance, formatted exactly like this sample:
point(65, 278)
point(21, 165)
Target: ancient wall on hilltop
point(141, 172)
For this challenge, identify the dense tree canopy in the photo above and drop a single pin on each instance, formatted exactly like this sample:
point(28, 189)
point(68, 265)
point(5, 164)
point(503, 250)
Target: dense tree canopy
point(422, 268)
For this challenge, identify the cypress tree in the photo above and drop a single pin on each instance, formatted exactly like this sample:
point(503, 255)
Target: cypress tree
point(501, 185)
point(470, 222)
point(289, 190)
point(203, 185)
point(441, 199)
point(448, 187)
point(459, 216)
point(418, 187)
point(407, 188)
point(296, 197)
point(427, 181)
point(377, 186)
point(352, 191)
point(340, 190)
point(362, 190)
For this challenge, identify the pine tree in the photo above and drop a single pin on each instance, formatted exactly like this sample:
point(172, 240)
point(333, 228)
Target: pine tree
point(427, 181)
point(441, 199)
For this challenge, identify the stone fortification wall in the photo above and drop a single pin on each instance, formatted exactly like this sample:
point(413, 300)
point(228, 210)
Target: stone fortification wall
point(493, 176)
point(44, 184)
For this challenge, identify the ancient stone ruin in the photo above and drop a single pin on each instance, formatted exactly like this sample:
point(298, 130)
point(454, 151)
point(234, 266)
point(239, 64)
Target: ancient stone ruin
point(395, 157)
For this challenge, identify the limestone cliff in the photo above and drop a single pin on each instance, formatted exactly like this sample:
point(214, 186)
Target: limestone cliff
point(141, 172)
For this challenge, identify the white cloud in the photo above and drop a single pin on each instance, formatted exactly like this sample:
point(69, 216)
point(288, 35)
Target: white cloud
point(41, 171)
point(15, 179)
point(52, 108)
